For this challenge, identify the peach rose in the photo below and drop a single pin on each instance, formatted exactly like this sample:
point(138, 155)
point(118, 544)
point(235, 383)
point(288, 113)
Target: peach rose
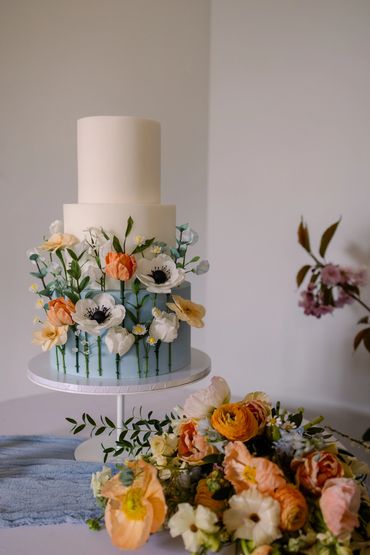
point(339, 504)
point(120, 266)
point(192, 446)
point(60, 312)
point(294, 510)
point(245, 471)
point(314, 469)
point(134, 512)
point(235, 422)
point(204, 497)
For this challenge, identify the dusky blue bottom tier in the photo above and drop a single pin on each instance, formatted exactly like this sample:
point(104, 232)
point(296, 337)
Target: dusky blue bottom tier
point(142, 360)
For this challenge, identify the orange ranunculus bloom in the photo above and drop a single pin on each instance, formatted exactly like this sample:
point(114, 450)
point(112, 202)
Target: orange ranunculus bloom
point(294, 510)
point(204, 497)
point(314, 469)
point(235, 422)
point(134, 512)
point(244, 470)
point(192, 446)
point(120, 266)
point(60, 312)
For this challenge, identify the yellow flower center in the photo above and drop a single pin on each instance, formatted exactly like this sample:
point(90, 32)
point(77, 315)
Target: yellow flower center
point(249, 473)
point(51, 334)
point(132, 504)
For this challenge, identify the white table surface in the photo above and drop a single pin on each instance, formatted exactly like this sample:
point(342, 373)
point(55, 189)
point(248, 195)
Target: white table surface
point(45, 413)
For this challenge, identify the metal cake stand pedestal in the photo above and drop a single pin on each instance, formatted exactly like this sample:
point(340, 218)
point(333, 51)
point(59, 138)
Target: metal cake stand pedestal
point(41, 373)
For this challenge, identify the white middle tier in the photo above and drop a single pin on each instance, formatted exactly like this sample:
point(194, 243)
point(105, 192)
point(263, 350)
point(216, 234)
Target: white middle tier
point(150, 220)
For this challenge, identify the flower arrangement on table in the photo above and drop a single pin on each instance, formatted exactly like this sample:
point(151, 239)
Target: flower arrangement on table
point(218, 473)
point(75, 276)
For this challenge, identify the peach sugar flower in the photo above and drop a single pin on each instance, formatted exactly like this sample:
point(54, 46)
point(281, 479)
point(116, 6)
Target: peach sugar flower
point(339, 504)
point(259, 404)
point(120, 266)
point(134, 512)
point(192, 446)
point(187, 311)
point(49, 336)
point(262, 550)
point(244, 470)
point(60, 312)
point(235, 422)
point(59, 241)
point(314, 469)
point(293, 506)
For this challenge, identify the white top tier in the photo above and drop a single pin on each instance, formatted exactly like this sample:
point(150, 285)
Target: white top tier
point(119, 160)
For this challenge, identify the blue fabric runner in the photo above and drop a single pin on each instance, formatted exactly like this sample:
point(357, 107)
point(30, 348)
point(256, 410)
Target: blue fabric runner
point(41, 483)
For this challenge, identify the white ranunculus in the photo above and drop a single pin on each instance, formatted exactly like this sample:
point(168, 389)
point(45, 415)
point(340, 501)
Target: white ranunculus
point(196, 526)
point(98, 314)
point(190, 236)
point(159, 275)
point(253, 516)
point(164, 326)
point(119, 340)
point(56, 227)
point(202, 403)
point(202, 267)
point(98, 479)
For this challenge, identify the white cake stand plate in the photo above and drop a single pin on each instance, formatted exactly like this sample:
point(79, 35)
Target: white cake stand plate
point(41, 373)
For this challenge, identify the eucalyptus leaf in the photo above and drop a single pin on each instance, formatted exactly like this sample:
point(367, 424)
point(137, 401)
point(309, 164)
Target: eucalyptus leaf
point(34, 256)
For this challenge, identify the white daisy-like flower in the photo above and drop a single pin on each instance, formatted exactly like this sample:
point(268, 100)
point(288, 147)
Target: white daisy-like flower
point(119, 340)
point(159, 275)
point(253, 516)
point(39, 304)
point(196, 526)
point(98, 314)
point(139, 240)
point(33, 288)
point(151, 340)
point(139, 329)
point(156, 249)
point(36, 320)
point(164, 326)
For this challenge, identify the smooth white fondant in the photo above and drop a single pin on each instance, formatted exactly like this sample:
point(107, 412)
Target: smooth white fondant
point(155, 220)
point(119, 160)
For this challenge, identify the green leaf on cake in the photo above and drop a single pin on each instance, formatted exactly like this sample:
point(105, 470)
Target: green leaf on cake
point(117, 244)
point(72, 254)
point(174, 253)
point(193, 260)
point(129, 226)
point(33, 256)
point(144, 246)
point(136, 286)
point(84, 283)
point(105, 235)
point(182, 227)
point(132, 316)
point(327, 237)
point(71, 295)
point(75, 270)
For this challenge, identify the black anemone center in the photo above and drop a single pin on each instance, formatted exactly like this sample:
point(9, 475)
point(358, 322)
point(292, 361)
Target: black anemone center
point(159, 276)
point(99, 314)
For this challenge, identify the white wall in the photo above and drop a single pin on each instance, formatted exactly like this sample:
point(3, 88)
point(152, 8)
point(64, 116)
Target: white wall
point(289, 135)
point(63, 60)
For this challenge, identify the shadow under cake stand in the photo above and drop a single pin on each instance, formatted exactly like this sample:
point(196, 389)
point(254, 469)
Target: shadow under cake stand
point(41, 373)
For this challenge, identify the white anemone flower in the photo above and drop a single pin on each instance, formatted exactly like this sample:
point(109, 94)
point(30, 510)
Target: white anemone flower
point(164, 326)
point(119, 340)
point(253, 516)
point(196, 526)
point(202, 403)
point(98, 314)
point(159, 275)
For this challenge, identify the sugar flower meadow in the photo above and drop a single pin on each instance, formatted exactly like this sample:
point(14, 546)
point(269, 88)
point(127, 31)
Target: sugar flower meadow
point(213, 492)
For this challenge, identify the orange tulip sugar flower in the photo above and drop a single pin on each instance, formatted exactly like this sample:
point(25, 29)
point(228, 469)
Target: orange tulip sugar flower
point(134, 512)
point(120, 266)
point(187, 311)
point(235, 422)
point(244, 470)
point(60, 312)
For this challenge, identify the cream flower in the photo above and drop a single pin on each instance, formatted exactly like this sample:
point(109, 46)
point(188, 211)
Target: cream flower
point(156, 249)
point(59, 241)
point(253, 516)
point(196, 526)
point(188, 311)
point(202, 403)
point(33, 288)
point(39, 304)
point(98, 314)
point(119, 340)
point(164, 326)
point(139, 240)
point(159, 275)
point(98, 479)
point(49, 336)
point(56, 227)
point(139, 329)
point(152, 341)
point(163, 446)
